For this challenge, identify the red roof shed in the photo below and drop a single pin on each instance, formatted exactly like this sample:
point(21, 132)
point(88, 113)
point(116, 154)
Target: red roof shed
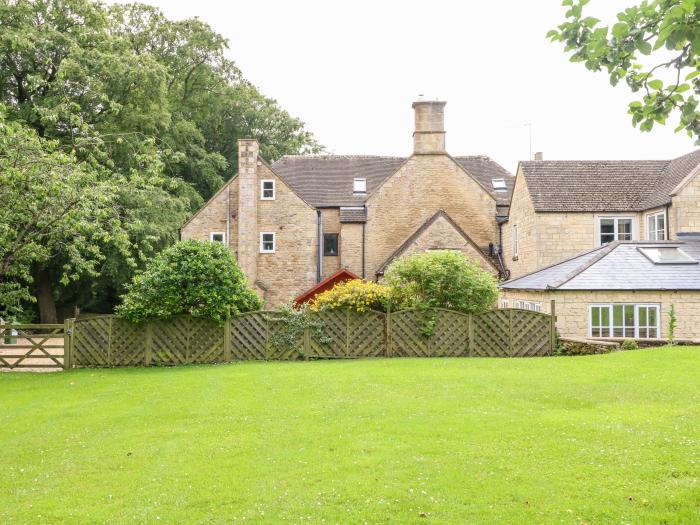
point(338, 277)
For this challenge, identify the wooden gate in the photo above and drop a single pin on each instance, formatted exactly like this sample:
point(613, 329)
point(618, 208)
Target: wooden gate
point(34, 346)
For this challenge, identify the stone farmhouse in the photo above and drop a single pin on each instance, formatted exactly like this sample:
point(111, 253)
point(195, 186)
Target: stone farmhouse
point(297, 221)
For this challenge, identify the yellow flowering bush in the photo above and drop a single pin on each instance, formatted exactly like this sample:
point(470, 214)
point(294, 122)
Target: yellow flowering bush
point(356, 294)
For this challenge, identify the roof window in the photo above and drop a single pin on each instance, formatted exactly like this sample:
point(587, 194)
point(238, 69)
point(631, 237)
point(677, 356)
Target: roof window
point(499, 184)
point(667, 255)
point(359, 186)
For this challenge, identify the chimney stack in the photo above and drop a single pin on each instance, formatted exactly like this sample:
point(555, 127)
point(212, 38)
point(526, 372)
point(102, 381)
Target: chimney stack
point(429, 134)
point(247, 256)
point(539, 156)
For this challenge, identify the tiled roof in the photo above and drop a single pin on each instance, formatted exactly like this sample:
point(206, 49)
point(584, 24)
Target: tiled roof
point(605, 185)
point(327, 180)
point(616, 266)
point(353, 214)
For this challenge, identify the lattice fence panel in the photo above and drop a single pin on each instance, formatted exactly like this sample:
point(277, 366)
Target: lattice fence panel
point(491, 332)
point(171, 341)
point(531, 333)
point(407, 339)
point(91, 341)
point(127, 343)
point(31, 346)
point(206, 341)
point(336, 327)
point(451, 334)
point(367, 334)
point(249, 336)
point(281, 352)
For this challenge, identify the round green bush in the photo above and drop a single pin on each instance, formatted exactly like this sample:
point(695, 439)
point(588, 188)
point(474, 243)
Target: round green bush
point(191, 277)
point(441, 278)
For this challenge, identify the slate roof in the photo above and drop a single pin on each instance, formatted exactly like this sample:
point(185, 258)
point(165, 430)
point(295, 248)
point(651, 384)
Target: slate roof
point(616, 266)
point(353, 214)
point(605, 185)
point(327, 180)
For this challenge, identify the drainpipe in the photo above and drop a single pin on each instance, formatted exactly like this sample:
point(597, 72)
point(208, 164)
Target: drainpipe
point(319, 260)
point(228, 216)
point(363, 245)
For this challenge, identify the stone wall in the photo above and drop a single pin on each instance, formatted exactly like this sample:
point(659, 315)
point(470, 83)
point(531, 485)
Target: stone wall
point(572, 307)
point(351, 247)
point(212, 216)
point(685, 209)
point(421, 187)
point(522, 215)
point(331, 224)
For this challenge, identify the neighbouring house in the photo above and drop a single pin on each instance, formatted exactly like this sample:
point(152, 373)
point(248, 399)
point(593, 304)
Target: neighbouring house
point(562, 208)
point(623, 289)
point(295, 222)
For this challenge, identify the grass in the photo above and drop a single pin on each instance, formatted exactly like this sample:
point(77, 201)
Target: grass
point(600, 439)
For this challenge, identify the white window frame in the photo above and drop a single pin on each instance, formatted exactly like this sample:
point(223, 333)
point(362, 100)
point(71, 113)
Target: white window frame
point(655, 217)
point(223, 237)
point(262, 244)
point(499, 184)
point(362, 182)
point(514, 242)
point(616, 233)
point(611, 325)
point(263, 189)
point(504, 303)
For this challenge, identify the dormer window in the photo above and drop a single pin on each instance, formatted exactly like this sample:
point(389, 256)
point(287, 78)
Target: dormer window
point(359, 186)
point(267, 190)
point(499, 184)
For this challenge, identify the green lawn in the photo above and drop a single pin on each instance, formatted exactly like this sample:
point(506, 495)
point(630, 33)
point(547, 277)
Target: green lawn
point(600, 439)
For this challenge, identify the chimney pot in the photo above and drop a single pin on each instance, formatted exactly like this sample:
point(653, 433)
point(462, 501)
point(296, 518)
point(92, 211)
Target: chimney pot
point(539, 156)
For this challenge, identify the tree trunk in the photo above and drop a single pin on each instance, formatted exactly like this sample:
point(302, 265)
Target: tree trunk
point(44, 296)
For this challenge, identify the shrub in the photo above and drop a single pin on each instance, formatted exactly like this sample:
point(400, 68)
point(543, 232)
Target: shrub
point(293, 321)
point(629, 344)
point(355, 294)
point(672, 325)
point(441, 278)
point(190, 277)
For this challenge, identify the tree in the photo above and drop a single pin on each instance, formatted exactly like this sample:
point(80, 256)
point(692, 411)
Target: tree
point(440, 278)
point(141, 99)
point(667, 31)
point(53, 206)
point(191, 277)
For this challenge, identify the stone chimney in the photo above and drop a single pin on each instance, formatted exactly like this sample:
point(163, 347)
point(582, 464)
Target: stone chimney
point(429, 134)
point(247, 256)
point(539, 156)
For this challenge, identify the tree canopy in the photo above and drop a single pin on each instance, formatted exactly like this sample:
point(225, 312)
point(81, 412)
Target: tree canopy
point(191, 277)
point(654, 47)
point(150, 108)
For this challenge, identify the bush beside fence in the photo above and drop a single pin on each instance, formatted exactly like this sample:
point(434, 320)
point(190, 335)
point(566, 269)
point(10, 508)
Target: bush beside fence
point(109, 341)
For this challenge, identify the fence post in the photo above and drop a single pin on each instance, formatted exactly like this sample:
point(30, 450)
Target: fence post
point(471, 334)
point(510, 332)
point(347, 332)
point(552, 326)
point(387, 331)
point(67, 336)
point(149, 344)
point(267, 337)
point(227, 339)
point(110, 361)
point(306, 341)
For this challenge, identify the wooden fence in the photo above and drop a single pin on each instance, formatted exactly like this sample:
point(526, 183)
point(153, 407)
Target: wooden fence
point(33, 346)
point(109, 341)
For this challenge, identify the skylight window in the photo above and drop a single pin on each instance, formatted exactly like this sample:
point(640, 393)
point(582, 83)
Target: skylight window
point(499, 184)
point(359, 186)
point(667, 255)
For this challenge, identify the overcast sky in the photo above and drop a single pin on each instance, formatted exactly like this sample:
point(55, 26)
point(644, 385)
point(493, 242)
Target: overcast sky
point(350, 71)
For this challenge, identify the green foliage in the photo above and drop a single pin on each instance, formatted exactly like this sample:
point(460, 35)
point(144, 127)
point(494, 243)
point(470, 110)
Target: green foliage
point(440, 278)
point(629, 344)
point(356, 294)
point(150, 103)
point(672, 321)
point(664, 29)
point(191, 277)
point(291, 323)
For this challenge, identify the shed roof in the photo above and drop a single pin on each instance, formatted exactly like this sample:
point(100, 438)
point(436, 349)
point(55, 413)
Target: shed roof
point(616, 266)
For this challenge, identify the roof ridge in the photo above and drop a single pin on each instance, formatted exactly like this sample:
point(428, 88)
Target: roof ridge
point(334, 156)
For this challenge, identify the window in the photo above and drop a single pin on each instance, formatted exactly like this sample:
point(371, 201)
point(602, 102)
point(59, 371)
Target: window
point(267, 242)
point(639, 321)
point(514, 241)
point(667, 255)
point(267, 190)
point(499, 184)
point(330, 244)
point(217, 237)
point(504, 303)
point(656, 226)
point(359, 186)
point(615, 229)
point(517, 304)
